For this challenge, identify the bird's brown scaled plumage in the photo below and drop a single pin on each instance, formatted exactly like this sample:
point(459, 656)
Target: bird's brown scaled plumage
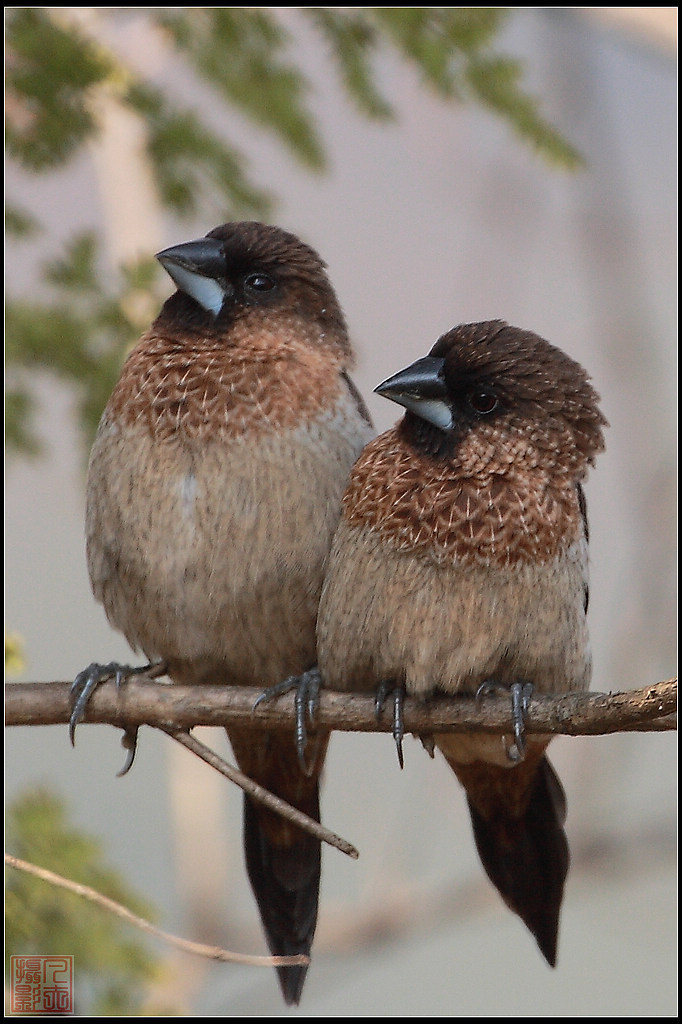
point(461, 559)
point(214, 489)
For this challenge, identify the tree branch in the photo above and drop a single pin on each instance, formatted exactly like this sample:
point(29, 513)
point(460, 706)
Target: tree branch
point(197, 948)
point(142, 701)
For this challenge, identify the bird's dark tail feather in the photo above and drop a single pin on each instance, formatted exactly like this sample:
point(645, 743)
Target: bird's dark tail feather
point(283, 861)
point(285, 881)
point(519, 833)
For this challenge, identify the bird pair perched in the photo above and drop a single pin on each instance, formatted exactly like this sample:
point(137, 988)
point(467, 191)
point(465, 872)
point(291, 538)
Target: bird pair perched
point(245, 526)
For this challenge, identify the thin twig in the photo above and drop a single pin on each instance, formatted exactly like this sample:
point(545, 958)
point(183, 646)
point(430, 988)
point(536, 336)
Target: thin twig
point(261, 794)
point(196, 948)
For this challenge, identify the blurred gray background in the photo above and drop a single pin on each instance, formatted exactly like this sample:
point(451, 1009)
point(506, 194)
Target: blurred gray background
point(439, 219)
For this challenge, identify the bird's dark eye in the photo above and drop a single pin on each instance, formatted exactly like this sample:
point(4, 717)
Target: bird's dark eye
point(483, 402)
point(259, 282)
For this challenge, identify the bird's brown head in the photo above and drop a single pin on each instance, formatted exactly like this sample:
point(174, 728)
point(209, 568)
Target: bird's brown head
point(506, 389)
point(253, 339)
point(249, 270)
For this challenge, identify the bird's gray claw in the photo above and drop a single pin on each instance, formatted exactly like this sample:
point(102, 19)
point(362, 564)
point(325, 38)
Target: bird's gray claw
point(87, 681)
point(488, 686)
point(398, 691)
point(520, 694)
point(288, 684)
point(129, 743)
point(85, 684)
point(307, 696)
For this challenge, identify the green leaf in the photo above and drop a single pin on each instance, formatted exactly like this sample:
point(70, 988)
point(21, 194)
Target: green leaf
point(452, 47)
point(189, 161)
point(354, 41)
point(50, 72)
point(20, 438)
point(19, 223)
point(81, 336)
point(75, 270)
point(241, 52)
point(495, 82)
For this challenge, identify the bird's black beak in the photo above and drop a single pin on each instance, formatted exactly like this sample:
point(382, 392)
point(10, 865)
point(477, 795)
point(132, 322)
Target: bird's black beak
point(198, 269)
point(421, 388)
point(422, 379)
point(204, 256)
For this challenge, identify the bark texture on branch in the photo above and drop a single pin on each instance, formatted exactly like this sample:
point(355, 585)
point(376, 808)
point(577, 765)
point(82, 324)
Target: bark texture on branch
point(142, 701)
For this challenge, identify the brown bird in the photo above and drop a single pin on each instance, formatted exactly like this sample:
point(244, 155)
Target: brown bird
point(214, 489)
point(460, 563)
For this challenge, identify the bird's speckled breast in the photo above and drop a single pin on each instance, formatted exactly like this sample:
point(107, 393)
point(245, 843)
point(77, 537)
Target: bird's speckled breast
point(210, 516)
point(488, 505)
point(271, 378)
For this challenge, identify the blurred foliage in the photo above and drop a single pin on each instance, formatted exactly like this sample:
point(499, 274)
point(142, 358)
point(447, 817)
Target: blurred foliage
point(15, 661)
point(80, 338)
point(112, 970)
point(59, 70)
point(50, 73)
